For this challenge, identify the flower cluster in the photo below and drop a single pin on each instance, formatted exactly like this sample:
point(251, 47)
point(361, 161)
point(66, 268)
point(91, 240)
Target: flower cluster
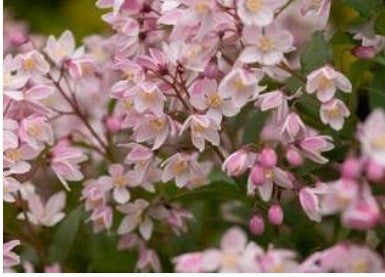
point(148, 115)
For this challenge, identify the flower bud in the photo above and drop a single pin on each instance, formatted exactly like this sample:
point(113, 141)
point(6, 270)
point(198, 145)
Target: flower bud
point(257, 225)
point(293, 157)
point(113, 124)
point(351, 168)
point(364, 52)
point(275, 214)
point(268, 158)
point(257, 175)
point(374, 172)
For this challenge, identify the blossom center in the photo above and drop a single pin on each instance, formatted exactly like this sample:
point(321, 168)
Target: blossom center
point(229, 260)
point(254, 5)
point(324, 83)
point(34, 131)
point(239, 84)
point(215, 100)
point(180, 167)
point(360, 266)
point(129, 75)
point(157, 124)
point(269, 174)
point(202, 7)
point(29, 64)
point(13, 155)
point(333, 113)
point(265, 44)
point(128, 104)
point(198, 128)
point(120, 181)
point(379, 142)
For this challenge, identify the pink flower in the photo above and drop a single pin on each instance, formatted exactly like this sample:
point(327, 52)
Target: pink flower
point(363, 213)
point(148, 98)
point(65, 163)
point(10, 258)
point(154, 129)
point(129, 6)
point(189, 263)
point(101, 218)
point(237, 163)
point(310, 203)
point(63, 48)
point(372, 137)
point(333, 113)
point(204, 95)
point(183, 168)
point(279, 260)
point(234, 255)
point(292, 128)
point(13, 80)
point(48, 214)
point(258, 12)
point(15, 160)
point(202, 128)
point(325, 81)
point(319, 9)
point(363, 52)
point(136, 218)
point(313, 146)
point(35, 131)
point(148, 260)
point(34, 65)
point(241, 86)
point(266, 47)
point(94, 193)
point(267, 177)
point(356, 259)
point(118, 181)
point(10, 188)
point(10, 138)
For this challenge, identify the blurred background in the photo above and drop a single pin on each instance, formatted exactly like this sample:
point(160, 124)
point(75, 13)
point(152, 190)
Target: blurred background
point(54, 16)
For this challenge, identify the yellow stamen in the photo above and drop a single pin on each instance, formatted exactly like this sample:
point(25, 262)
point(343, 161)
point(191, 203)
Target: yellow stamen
point(254, 5)
point(265, 44)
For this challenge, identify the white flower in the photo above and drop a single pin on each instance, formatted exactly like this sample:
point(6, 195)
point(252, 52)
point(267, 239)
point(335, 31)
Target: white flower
point(258, 12)
point(202, 128)
point(266, 46)
point(325, 82)
point(334, 113)
point(62, 48)
point(48, 214)
point(372, 136)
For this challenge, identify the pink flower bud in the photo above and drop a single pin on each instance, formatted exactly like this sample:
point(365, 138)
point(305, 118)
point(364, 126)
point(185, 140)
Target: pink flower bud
point(275, 214)
point(374, 172)
point(268, 158)
point(364, 52)
point(113, 124)
point(257, 175)
point(293, 157)
point(351, 168)
point(257, 225)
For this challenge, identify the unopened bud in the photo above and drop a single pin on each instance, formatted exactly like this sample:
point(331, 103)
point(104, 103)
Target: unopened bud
point(257, 225)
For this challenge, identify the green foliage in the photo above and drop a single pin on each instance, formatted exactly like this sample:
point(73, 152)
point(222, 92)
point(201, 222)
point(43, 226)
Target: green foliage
point(379, 23)
point(316, 54)
point(365, 8)
point(65, 235)
point(377, 89)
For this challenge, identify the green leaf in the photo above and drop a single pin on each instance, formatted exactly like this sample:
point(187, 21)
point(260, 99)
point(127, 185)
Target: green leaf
point(365, 8)
point(316, 54)
point(65, 236)
point(379, 24)
point(254, 125)
point(377, 90)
